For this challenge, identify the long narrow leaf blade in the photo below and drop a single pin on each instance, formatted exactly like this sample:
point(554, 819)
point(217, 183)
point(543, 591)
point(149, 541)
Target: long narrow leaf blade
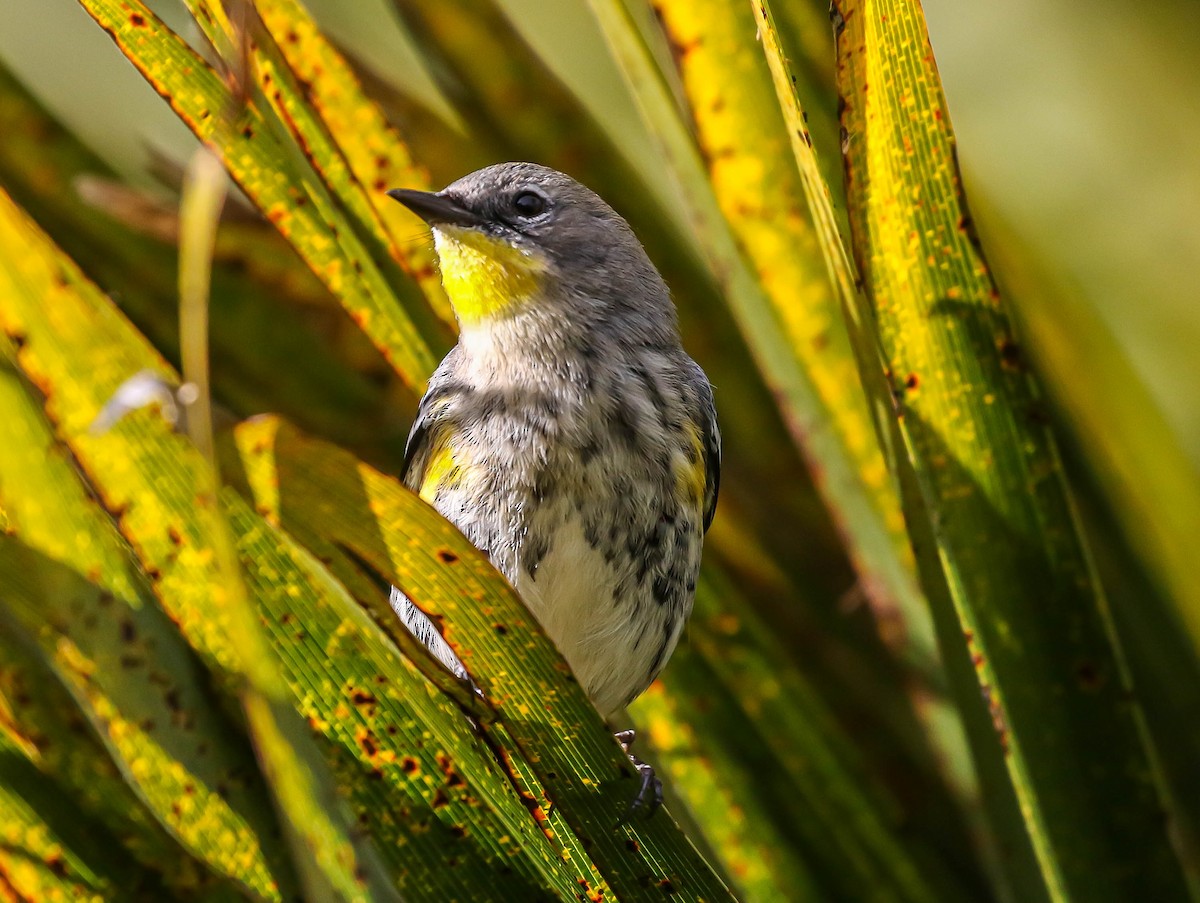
point(69, 582)
point(1026, 598)
point(394, 315)
point(78, 349)
point(349, 506)
point(851, 494)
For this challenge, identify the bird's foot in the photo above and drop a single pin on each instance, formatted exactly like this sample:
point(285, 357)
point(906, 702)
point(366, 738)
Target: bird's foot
point(650, 791)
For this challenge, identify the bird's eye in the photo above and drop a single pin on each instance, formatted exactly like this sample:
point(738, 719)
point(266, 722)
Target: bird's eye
point(529, 203)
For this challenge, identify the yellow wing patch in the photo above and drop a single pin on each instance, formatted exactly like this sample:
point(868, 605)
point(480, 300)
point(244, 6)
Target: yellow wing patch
point(442, 470)
point(691, 476)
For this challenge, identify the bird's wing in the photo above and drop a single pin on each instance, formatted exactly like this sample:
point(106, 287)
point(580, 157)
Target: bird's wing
point(416, 449)
point(712, 462)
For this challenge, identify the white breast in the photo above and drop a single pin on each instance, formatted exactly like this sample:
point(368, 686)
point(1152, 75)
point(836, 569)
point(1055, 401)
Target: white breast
point(571, 594)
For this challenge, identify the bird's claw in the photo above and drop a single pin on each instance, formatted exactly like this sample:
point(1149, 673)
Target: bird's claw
point(650, 791)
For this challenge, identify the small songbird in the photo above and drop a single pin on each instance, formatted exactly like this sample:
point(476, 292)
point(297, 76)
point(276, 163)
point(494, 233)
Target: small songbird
point(568, 435)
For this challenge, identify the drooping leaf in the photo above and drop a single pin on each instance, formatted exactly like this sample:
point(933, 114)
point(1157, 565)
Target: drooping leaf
point(355, 517)
point(392, 312)
point(986, 472)
point(279, 340)
point(69, 582)
point(76, 348)
point(744, 145)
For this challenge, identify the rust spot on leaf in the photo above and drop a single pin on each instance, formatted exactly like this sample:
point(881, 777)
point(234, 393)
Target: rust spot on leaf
point(362, 697)
point(366, 742)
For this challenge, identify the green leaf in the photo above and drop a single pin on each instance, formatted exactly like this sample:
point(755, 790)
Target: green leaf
point(77, 349)
point(317, 101)
point(279, 340)
point(121, 659)
point(392, 313)
point(855, 496)
point(49, 850)
point(741, 729)
point(744, 145)
point(990, 486)
point(349, 514)
point(421, 783)
point(54, 762)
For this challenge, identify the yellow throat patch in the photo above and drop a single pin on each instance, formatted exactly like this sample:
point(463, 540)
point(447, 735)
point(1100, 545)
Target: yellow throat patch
point(485, 278)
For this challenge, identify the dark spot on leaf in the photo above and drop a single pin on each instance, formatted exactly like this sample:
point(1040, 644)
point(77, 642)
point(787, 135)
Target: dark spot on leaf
point(362, 697)
point(447, 556)
point(409, 765)
point(632, 845)
point(1010, 353)
point(366, 742)
point(500, 629)
point(440, 800)
point(666, 886)
point(458, 831)
point(137, 20)
point(912, 381)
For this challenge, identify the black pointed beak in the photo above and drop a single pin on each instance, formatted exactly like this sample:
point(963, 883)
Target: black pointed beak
point(435, 209)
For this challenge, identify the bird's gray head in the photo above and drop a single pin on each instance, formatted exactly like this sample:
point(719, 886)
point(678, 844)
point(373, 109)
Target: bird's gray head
point(518, 236)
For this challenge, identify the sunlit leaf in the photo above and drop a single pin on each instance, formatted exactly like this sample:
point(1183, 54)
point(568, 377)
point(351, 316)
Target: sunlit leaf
point(986, 470)
point(121, 658)
point(744, 145)
point(392, 312)
point(355, 517)
point(76, 348)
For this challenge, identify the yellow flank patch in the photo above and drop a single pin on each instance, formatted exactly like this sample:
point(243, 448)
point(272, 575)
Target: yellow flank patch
point(692, 476)
point(442, 470)
point(485, 277)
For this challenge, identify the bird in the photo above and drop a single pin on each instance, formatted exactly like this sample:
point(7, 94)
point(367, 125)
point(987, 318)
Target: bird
point(568, 435)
